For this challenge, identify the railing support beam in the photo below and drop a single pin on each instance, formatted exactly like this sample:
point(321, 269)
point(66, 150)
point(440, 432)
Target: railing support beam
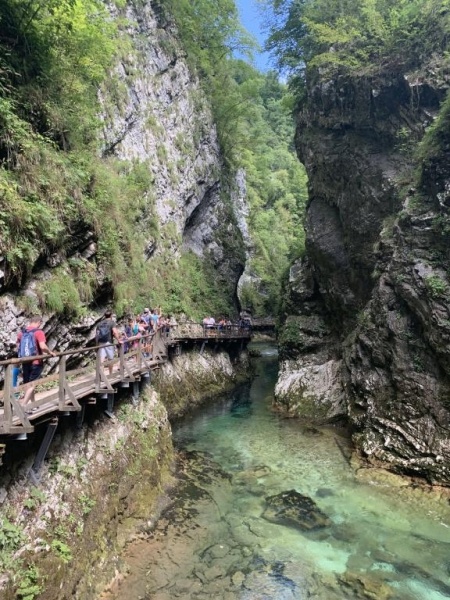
point(43, 449)
point(110, 406)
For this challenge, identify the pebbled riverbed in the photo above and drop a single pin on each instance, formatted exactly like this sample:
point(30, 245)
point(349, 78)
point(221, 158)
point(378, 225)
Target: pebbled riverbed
point(380, 537)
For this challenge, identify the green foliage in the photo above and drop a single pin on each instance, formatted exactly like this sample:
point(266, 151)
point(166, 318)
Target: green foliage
point(61, 550)
point(87, 504)
point(436, 286)
point(29, 586)
point(55, 56)
point(11, 536)
point(59, 295)
point(195, 288)
point(35, 499)
point(276, 186)
point(436, 138)
point(210, 32)
point(355, 35)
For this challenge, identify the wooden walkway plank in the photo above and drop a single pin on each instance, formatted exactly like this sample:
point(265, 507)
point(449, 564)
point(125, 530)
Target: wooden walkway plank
point(80, 384)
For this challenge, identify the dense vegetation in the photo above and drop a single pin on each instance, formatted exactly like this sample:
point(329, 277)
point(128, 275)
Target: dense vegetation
point(276, 187)
point(56, 188)
point(363, 36)
point(253, 113)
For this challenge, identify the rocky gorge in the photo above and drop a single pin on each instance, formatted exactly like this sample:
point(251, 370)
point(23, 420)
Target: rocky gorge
point(364, 343)
point(367, 309)
point(157, 123)
point(103, 483)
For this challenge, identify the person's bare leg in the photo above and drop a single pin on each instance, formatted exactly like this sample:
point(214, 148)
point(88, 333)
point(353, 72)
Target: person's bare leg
point(29, 396)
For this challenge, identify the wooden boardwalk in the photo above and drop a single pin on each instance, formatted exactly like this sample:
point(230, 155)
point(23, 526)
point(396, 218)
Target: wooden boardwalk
point(69, 390)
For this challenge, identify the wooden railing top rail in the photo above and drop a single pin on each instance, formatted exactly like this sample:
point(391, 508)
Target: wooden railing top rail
point(85, 349)
point(230, 330)
point(60, 391)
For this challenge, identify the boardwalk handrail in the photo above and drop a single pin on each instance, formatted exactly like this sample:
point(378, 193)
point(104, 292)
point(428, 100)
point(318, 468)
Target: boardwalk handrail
point(66, 386)
point(14, 418)
point(200, 330)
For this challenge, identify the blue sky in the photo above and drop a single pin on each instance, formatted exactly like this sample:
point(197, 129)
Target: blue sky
point(251, 19)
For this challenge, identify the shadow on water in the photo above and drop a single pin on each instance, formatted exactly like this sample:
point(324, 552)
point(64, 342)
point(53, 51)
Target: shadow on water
point(269, 509)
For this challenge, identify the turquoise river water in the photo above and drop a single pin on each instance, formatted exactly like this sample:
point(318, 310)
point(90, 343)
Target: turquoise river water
point(386, 538)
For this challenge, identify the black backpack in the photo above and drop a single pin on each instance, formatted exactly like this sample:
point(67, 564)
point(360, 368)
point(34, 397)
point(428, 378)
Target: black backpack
point(103, 332)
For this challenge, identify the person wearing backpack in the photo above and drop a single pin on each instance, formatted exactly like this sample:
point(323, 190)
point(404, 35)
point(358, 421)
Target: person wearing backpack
point(105, 332)
point(31, 341)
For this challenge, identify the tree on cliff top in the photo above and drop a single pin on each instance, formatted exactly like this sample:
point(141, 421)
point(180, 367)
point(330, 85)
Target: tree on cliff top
point(355, 35)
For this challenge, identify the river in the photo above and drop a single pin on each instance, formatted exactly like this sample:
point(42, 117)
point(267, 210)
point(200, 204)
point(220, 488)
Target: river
point(383, 537)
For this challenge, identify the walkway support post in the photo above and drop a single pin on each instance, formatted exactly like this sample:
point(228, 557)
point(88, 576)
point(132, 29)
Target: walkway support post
point(64, 390)
point(110, 406)
point(80, 416)
point(43, 449)
point(135, 393)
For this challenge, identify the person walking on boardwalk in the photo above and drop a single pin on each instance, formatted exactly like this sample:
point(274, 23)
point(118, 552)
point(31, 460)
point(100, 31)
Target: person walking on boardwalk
point(31, 341)
point(105, 332)
point(154, 318)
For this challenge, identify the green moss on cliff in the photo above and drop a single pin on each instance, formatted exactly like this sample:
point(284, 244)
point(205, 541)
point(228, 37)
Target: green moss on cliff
point(87, 507)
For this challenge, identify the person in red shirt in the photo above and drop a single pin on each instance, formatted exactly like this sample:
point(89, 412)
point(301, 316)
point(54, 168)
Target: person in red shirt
point(32, 370)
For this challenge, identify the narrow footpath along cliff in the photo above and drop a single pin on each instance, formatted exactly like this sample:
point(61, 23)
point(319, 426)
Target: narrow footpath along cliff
point(367, 332)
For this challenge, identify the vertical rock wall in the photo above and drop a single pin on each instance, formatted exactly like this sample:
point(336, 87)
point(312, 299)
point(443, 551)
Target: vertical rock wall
point(367, 330)
point(154, 112)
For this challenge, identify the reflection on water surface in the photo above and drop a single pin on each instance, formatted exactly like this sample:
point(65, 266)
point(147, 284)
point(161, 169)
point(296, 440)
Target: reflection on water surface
point(380, 538)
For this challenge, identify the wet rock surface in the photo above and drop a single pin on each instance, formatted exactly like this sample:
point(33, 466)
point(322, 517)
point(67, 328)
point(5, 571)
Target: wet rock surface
point(367, 334)
point(296, 510)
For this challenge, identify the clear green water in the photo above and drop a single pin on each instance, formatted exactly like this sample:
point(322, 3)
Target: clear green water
point(387, 540)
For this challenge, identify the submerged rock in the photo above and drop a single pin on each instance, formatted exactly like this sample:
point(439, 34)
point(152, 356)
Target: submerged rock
point(324, 493)
point(365, 585)
point(296, 510)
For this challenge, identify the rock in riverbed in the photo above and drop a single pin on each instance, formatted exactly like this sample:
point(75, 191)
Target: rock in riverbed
point(296, 510)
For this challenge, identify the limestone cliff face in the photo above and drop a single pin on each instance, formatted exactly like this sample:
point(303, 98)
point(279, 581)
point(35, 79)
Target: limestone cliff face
point(368, 331)
point(155, 112)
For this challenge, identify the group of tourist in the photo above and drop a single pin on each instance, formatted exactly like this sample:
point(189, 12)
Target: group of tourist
point(31, 340)
point(135, 328)
point(223, 324)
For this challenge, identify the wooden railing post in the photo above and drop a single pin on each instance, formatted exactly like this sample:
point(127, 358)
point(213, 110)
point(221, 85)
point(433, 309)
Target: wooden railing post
point(139, 354)
point(98, 364)
point(62, 382)
point(122, 361)
point(7, 390)
point(65, 392)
